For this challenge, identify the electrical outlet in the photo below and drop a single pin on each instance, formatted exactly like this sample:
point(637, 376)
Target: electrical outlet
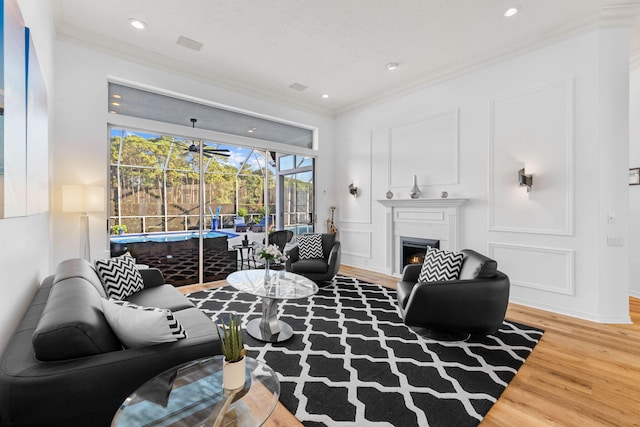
point(615, 241)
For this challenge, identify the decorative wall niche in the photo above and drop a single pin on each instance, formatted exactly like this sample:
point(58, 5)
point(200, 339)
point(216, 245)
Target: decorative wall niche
point(532, 130)
point(427, 148)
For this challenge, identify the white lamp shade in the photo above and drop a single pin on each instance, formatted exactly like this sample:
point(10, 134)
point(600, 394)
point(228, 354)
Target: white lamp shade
point(82, 198)
point(94, 199)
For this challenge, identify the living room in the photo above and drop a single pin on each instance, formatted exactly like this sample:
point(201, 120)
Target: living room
point(579, 206)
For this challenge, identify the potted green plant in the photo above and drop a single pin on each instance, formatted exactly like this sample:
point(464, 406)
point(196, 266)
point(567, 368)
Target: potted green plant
point(233, 368)
point(243, 213)
point(118, 229)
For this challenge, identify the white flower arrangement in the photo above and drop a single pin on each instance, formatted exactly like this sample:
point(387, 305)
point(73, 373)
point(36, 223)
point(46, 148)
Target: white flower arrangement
point(271, 253)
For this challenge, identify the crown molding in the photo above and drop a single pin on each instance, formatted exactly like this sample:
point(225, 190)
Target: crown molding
point(615, 15)
point(619, 15)
point(73, 35)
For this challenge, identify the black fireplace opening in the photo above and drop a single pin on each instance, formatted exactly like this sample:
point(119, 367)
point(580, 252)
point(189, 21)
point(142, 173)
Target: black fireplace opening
point(413, 249)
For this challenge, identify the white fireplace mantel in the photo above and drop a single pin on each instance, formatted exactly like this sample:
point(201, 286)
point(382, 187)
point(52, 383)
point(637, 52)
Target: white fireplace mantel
point(422, 203)
point(422, 218)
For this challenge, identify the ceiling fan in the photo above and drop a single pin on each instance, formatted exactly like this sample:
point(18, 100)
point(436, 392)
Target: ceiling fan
point(206, 151)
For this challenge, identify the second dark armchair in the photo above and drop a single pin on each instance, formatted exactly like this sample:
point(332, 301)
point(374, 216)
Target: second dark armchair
point(476, 303)
point(317, 269)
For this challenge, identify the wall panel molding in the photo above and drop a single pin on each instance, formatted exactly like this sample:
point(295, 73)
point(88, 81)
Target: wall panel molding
point(522, 263)
point(535, 130)
point(427, 147)
point(356, 242)
point(353, 165)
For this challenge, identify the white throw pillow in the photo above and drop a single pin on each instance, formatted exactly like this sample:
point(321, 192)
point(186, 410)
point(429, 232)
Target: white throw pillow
point(119, 276)
point(440, 265)
point(310, 246)
point(137, 326)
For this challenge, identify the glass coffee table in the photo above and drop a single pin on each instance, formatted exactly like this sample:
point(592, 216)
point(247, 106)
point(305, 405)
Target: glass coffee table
point(280, 285)
point(192, 395)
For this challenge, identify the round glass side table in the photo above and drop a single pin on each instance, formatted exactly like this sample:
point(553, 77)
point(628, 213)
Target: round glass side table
point(191, 394)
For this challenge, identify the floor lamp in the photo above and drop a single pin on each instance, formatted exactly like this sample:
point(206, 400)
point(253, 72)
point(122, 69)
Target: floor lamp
point(83, 199)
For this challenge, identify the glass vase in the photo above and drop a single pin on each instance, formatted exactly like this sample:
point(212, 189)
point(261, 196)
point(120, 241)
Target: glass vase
point(415, 190)
point(267, 276)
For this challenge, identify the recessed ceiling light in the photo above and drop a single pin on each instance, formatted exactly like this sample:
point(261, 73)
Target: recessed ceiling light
point(252, 130)
point(137, 24)
point(116, 96)
point(325, 96)
point(115, 104)
point(113, 112)
point(510, 11)
point(392, 66)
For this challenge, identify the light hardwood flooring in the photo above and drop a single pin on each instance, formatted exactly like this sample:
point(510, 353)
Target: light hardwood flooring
point(581, 373)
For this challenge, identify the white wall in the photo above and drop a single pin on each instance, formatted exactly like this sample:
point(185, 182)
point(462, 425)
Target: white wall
point(24, 252)
point(560, 112)
point(81, 142)
point(634, 190)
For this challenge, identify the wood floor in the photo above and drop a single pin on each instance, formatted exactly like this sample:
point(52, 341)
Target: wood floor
point(580, 374)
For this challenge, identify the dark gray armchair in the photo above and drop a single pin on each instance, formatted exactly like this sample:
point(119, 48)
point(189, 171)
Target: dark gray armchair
point(317, 269)
point(476, 303)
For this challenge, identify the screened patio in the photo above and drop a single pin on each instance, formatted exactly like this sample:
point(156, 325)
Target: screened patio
point(163, 191)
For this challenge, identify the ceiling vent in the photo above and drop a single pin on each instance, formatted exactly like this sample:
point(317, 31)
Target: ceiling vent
point(298, 86)
point(189, 43)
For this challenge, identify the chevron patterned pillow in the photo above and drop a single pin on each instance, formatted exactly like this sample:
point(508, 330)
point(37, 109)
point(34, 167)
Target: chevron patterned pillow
point(440, 265)
point(310, 246)
point(119, 276)
point(138, 326)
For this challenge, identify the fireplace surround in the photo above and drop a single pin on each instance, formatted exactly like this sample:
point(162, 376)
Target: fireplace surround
point(435, 219)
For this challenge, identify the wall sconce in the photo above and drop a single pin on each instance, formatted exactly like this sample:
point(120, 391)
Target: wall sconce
point(525, 180)
point(83, 199)
point(353, 190)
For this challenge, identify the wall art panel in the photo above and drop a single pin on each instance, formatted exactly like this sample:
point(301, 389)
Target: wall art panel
point(13, 141)
point(37, 135)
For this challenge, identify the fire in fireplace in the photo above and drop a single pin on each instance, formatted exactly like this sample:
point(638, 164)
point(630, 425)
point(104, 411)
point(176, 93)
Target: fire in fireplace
point(413, 249)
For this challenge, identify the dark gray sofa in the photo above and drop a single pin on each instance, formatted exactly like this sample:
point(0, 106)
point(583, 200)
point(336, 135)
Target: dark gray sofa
point(87, 373)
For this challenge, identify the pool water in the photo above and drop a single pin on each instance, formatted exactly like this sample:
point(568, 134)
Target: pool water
point(168, 237)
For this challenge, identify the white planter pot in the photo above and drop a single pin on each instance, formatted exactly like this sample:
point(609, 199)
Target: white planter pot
point(233, 374)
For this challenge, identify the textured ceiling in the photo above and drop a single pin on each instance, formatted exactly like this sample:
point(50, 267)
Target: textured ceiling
point(338, 47)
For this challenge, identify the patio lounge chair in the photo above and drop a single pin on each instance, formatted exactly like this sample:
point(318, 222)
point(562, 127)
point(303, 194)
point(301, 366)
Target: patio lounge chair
point(239, 224)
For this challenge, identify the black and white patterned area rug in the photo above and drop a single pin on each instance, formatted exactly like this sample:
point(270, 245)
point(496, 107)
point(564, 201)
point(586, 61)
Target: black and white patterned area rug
point(352, 362)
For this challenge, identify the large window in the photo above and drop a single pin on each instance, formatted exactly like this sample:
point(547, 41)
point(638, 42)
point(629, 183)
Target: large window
point(296, 178)
point(160, 188)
